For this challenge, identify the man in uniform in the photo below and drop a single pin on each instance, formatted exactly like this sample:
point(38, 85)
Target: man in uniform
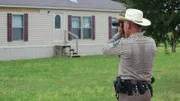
point(137, 53)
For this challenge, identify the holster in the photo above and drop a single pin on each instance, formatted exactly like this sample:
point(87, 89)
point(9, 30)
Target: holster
point(117, 84)
point(126, 86)
point(141, 87)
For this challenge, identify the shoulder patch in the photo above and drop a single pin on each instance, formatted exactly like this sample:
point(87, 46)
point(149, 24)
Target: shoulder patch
point(116, 42)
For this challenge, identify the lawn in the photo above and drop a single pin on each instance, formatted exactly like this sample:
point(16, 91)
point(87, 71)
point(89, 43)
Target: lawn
point(89, 78)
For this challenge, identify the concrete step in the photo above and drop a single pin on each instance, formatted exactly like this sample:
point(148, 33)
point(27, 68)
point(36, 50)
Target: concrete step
point(74, 56)
point(66, 46)
point(71, 50)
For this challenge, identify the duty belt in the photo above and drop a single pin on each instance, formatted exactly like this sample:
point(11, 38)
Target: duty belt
point(129, 86)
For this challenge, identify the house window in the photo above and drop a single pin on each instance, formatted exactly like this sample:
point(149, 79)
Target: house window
point(87, 27)
point(17, 27)
point(82, 26)
point(76, 26)
point(57, 22)
point(114, 28)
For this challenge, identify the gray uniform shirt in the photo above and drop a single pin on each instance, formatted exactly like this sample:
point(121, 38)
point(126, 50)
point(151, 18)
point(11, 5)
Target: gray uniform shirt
point(137, 55)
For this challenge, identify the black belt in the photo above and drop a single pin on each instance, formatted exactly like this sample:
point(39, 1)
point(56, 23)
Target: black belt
point(129, 86)
point(141, 87)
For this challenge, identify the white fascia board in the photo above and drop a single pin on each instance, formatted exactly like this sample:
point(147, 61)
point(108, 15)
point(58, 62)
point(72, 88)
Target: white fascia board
point(64, 8)
point(27, 46)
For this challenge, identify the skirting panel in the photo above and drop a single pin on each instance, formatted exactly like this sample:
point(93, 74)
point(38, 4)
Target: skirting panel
point(85, 50)
point(16, 53)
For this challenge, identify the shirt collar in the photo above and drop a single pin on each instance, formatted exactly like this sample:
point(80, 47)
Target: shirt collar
point(136, 34)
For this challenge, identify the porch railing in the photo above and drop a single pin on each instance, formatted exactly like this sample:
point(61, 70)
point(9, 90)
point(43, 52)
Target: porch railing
point(75, 36)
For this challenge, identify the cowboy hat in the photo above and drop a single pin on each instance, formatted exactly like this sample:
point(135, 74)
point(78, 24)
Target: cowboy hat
point(135, 16)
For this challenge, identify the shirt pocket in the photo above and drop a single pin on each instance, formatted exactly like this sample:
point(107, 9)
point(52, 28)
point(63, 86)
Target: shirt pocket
point(126, 51)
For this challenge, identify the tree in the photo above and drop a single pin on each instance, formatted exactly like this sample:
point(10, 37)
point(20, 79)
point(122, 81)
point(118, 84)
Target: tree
point(164, 16)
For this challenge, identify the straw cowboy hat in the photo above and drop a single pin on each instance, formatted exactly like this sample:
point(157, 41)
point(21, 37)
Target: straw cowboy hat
point(135, 16)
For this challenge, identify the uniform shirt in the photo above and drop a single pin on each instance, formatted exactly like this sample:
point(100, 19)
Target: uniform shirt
point(137, 53)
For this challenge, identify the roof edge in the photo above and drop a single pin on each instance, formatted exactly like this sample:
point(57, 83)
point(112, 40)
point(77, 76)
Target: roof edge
point(63, 8)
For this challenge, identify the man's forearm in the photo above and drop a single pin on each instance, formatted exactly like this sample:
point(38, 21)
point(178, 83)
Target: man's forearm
point(109, 48)
point(114, 38)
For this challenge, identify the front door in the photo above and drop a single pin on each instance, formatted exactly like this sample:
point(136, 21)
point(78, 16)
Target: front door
point(58, 27)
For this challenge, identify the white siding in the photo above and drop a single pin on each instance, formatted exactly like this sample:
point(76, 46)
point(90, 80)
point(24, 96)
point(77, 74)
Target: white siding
point(90, 49)
point(14, 53)
point(39, 30)
point(40, 37)
point(41, 27)
point(3, 28)
point(101, 25)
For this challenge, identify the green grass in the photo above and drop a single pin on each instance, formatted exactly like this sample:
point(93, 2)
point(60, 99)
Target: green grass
point(81, 79)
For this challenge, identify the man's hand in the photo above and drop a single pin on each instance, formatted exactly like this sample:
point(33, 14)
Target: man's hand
point(120, 29)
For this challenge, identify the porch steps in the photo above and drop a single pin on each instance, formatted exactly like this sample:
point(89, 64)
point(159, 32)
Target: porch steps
point(74, 56)
point(65, 51)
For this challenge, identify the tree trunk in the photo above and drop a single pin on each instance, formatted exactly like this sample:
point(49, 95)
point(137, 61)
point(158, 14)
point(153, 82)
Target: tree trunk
point(166, 50)
point(173, 39)
point(165, 45)
point(174, 45)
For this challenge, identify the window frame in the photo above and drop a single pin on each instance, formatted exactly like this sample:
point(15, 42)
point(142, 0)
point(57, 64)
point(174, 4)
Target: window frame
point(86, 27)
point(113, 27)
point(60, 22)
point(82, 27)
point(23, 26)
point(77, 27)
